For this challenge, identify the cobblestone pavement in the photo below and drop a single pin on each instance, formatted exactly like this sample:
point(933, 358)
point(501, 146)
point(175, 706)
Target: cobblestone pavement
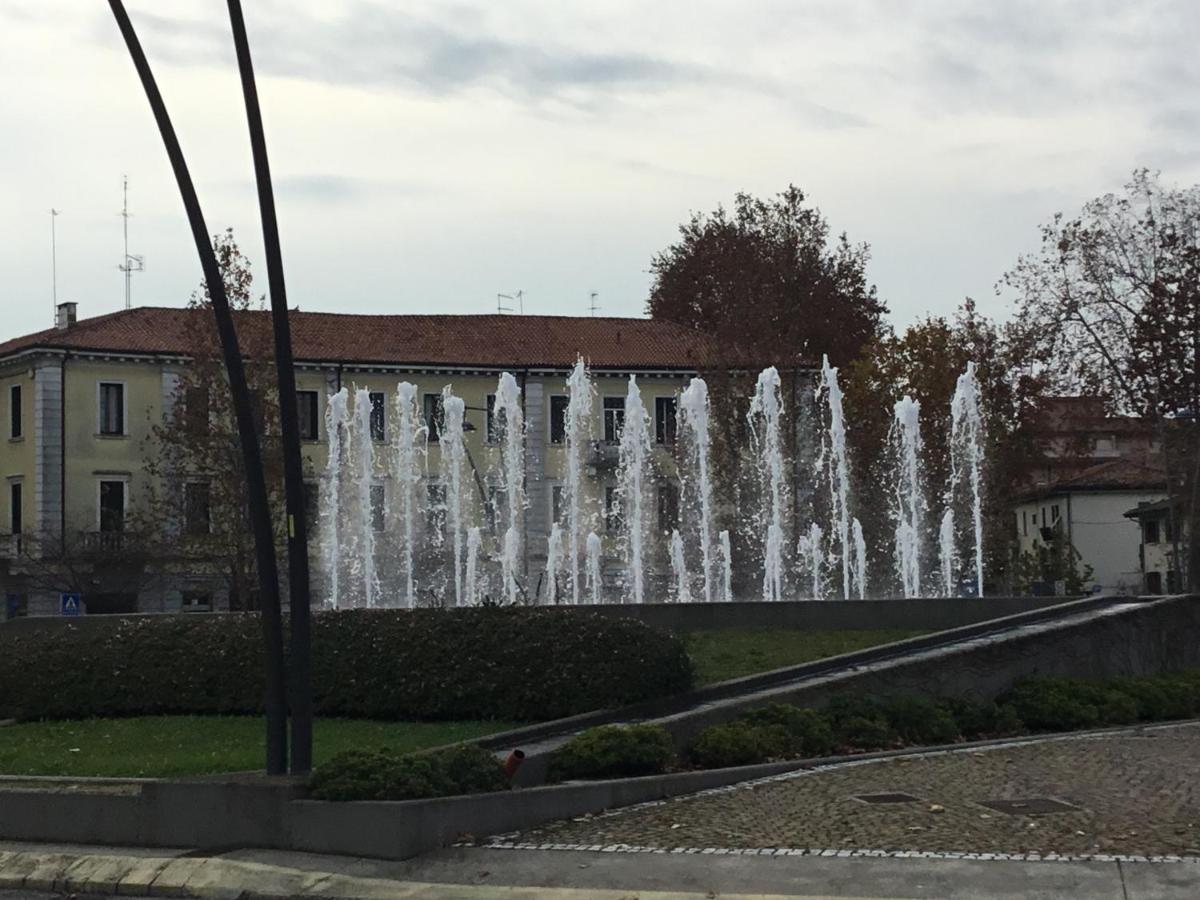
point(1136, 793)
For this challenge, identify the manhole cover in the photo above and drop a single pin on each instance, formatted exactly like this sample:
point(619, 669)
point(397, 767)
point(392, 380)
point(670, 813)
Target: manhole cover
point(887, 798)
point(1029, 806)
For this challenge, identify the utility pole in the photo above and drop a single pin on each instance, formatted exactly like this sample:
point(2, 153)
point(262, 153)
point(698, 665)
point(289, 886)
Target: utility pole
point(53, 264)
point(130, 263)
point(293, 470)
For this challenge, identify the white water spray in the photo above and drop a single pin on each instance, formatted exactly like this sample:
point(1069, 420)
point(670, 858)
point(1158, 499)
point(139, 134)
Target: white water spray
point(471, 579)
point(683, 592)
point(508, 412)
point(453, 455)
point(594, 577)
point(967, 457)
point(694, 410)
point(764, 415)
point(405, 451)
point(726, 567)
point(331, 488)
point(947, 556)
point(553, 563)
point(810, 555)
point(580, 396)
point(860, 558)
point(908, 500)
point(834, 462)
point(634, 478)
point(363, 450)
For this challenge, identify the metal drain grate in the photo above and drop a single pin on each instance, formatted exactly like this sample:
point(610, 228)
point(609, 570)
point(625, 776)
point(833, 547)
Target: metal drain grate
point(887, 798)
point(1029, 806)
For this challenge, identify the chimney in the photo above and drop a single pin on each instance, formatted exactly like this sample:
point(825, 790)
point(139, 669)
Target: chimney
point(65, 316)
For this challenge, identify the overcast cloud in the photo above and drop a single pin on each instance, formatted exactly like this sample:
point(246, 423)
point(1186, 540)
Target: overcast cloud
point(430, 155)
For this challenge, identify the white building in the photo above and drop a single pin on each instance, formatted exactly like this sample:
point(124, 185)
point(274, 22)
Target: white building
point(1089, 509)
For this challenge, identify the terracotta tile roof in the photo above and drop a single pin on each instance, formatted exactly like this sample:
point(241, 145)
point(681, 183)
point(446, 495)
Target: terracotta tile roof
point(484, 341)
point(1124, 473)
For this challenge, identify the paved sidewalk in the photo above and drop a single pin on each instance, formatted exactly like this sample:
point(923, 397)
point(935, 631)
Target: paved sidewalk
point(1130, 794)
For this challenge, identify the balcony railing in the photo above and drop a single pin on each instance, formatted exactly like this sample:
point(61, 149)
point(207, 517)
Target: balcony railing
point(604, 454)
point(104, 541)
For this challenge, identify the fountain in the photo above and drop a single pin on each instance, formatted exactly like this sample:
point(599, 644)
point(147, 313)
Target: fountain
point(811, 559)
point(966, 456)
point(694, 412)
point(471, 579)
point(726, 567)
point(594, 576)
point(860, 558)
point(633, 482)
point(362, 448)
point(580, 397)
point(512, 434)
point(683, 592)
point(908, 501)
point(833, 466)
point(553, 562)
point(406, 433)
point(947, 556)
point(331, 489)
point(453, 454)
point(766, 411)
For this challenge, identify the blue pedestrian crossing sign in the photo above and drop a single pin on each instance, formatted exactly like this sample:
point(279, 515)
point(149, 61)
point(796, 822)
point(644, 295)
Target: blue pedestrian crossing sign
point(70, 604)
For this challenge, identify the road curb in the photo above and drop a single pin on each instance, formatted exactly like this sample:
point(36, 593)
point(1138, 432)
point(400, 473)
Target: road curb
point(213, 878)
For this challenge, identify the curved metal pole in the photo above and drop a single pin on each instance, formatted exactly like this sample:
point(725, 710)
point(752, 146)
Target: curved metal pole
point(299, 659)
point(260, 513)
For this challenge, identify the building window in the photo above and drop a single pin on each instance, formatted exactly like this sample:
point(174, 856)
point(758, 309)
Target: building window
point(433, 416)
point(1154, 582)
point(14, 507)
point(612, 510)
point(557, 503)
point(1168, 532)
point(14, 411)
point(196, 601)
point(306, 406)
point(665, 417)
point(378, 508)
point(112, 506)
point(668, 507)
point(196, 508)
point(1025, 523)
point(196, 410)
point(614, 418)
point(378, 417)
point(112, 408)
point(1150, 531)
point(558, 418)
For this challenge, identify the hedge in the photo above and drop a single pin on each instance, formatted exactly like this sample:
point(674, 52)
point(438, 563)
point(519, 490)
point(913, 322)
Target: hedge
point(382, 775)
point(613, 751)
point(522, 664)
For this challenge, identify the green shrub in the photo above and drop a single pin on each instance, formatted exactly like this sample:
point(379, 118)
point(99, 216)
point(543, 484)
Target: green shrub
point(1063, 704)
point(380, 775)
point(482, 663)
point(613, 751)
point(862, 733)
point(809, 729)
point(740, 743)
point(920, 720)
point(983, 719)
point(1160, 698)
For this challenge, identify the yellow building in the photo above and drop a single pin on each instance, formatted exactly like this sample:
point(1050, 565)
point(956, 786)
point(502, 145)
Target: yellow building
point(79, 401)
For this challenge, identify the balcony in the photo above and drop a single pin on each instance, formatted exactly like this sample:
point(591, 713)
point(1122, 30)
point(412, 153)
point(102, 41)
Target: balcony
point(603, 454)
point(103, 541)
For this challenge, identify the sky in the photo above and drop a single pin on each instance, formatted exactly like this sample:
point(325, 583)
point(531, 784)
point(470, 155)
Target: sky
point(430, 155)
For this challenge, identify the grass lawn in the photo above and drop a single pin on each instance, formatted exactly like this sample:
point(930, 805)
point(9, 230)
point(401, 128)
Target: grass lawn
point(159, 746)
point(721, 655)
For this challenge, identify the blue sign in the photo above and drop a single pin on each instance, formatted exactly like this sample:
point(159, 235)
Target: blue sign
point(12, 605)
point(70, 604)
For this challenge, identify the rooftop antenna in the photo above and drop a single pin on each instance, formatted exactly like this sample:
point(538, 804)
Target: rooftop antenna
point(54, 260)
point(132, 263)
point(593, 301)
point(519, 296)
